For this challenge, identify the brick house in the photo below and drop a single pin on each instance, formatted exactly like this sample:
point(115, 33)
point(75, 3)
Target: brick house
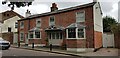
point(79, 28)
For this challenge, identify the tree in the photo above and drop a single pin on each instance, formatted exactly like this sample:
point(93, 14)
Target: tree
point(108, 23)
point(17, 3)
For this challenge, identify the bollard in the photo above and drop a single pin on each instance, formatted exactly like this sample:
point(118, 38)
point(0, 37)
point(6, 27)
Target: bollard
point(18, 44)
point(50, 47)
point(32, 45)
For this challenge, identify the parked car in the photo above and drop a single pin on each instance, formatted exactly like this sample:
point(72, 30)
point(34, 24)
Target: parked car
point(4, 44)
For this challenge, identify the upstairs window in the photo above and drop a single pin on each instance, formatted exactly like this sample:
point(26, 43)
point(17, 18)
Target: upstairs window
point(52, 21)
point(16, 24)
point(21, 24)
point(80, 16)
point(9, 29)
point(38, 23)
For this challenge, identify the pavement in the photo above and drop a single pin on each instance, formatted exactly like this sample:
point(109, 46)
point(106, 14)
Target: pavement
point(100, 52)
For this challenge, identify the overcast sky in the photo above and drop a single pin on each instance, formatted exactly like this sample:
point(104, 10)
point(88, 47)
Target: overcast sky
point(109, 7)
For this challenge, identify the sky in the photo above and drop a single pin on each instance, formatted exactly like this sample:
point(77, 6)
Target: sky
point(109, 7)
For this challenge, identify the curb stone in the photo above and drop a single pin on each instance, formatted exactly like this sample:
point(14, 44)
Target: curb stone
point(51, 52)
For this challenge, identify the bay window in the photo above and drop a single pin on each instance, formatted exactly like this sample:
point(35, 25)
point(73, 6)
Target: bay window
point(77, 33)
point(72, 33)
point(34, 34)
point(37, 34)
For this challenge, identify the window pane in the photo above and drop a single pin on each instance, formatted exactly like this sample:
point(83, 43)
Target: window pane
point(21, 36)
point(80, 17)
point(52, 22)
point(38, 22)
point(31, 34)
point(60, 35)
point(37, 34)
point(80, 33)
point(57, 36)
point(53, 35)
point(49, 35)
point(72, 33)
point(22, 24)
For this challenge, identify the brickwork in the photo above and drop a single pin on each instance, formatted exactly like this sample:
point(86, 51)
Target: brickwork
point(97, 39)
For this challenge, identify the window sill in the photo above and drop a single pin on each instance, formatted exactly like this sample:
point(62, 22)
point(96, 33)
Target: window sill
point(34, 38)
point(75, 38)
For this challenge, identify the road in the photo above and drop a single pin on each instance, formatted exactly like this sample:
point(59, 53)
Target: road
point(23, 53)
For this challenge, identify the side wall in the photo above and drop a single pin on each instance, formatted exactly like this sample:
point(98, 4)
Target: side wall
point(98, 26)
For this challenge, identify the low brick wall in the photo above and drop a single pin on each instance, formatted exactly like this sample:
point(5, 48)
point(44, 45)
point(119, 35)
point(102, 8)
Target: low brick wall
point(8, 37)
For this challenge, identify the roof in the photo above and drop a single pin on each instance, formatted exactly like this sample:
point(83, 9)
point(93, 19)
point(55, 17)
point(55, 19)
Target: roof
point(8, 14)
point(54, 28)
point(76, 25)
point(60, 11)
point(35, 29)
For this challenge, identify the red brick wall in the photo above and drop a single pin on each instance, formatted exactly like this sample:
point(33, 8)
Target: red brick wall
point(76, 43)
point(97, 39)
point(117, 39)
point(8, 37)
point(64, 20)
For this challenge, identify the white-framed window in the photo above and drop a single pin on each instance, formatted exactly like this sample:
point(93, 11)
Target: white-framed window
point(35, 35)
point(21, 36)
point(31, 35)
point(75, 33)
point(80, 16)
point(72, 33)
point(22, 24)
point(52, 21)
point(55, 35)
point(81, 33)
point(16, 24)
point(38, 23)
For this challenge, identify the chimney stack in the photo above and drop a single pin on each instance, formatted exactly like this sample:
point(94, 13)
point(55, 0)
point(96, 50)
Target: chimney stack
point(28, 13)
point(54, 7)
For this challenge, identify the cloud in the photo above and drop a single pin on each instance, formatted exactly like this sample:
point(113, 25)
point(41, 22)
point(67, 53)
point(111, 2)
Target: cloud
point(41, 6)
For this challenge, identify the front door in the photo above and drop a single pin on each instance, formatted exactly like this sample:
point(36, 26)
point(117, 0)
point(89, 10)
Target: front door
point(55, 38)
point(26, 38)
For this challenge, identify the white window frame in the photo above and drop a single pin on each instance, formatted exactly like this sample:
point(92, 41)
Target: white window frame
point(20, 36)
point(77, 17)
point(34, 35)
point(50, 19)
point(38, 19)
point(76, 34)
point(23, 24)
point(55, 36)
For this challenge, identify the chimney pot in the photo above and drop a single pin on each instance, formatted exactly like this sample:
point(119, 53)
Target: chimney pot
point(54, 7)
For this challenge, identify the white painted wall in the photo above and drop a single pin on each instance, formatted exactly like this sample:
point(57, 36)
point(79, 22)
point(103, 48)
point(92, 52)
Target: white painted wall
point(98, 22)
point(10, 23)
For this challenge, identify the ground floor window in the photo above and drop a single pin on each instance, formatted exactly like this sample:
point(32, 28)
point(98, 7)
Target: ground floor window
point(37, 34)
point(76, 33)
point(31, 35)
point(55, 35)
point(72, 33)
point(21, 36)
point(34, 34)
point(80, 33)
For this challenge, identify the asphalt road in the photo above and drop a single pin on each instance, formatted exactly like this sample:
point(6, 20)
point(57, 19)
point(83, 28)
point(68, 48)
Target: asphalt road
point(23, 53)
